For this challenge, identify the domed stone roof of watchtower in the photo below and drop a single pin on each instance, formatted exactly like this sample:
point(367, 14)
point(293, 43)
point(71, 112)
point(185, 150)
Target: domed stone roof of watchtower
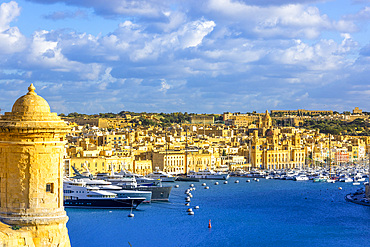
point(31, 111)
point(31, 102)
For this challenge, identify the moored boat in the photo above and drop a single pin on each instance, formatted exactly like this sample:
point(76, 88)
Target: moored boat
point(320, 178)
point(187, 179)
point(134, 194)
point(164, 177)
point(78, 195)
point(159, 192)
point(208, 174)
point(345, 179)
point(300, 177)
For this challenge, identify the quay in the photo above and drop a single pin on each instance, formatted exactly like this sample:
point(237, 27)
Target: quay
point(358, 198)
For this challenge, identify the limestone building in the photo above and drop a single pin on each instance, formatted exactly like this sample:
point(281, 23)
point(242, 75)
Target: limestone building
point(357, 110)
point(202, 119)
point(237, 119)
point(32, 143)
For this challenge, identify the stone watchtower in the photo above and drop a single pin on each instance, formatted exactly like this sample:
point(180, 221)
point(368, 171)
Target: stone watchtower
point(31, 170)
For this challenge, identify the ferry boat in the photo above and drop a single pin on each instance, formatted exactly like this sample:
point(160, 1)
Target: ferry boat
point(78, 195)
point(208, 174)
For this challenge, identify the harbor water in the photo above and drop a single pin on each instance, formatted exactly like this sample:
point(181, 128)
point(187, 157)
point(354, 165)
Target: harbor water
point(264, 213)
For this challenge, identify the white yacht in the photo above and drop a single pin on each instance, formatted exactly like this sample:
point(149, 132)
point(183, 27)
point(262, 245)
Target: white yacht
point(159, 192)
point(359, 177)
point(345, 179)
point(116, 189)
point(300, 177)
point(290, 175)
point(269, 177)
point(77, 194)
point(165, 177)
point(331, 180)
point(208, 174)
point(140, 179)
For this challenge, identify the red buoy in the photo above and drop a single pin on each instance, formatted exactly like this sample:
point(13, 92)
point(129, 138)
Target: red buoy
point(209, 224)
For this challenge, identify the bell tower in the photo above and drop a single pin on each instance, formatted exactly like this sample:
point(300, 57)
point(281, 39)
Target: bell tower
point(32, 143)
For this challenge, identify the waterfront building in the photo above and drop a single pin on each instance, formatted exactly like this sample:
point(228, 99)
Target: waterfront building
point(235, 162)
point(276, 151)
point(341, 156)
point(142, 167)
point(174, 161)
point(32, 143)
point(171, 161)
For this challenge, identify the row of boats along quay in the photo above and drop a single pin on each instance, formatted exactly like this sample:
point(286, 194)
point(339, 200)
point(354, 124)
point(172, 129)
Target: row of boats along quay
point(208, 209)
point(126, 190)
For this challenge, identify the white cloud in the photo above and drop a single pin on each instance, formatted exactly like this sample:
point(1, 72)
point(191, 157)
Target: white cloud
point(213, 55)
point(192, 34)
point(106, 79)
point(175, 19)
point(164, 86)
point(188, 35)
point(323, 55)
point(47, 54)
point(241, 53)
point(291, 20)
point(363, 14)
point(11, 39)
point(8, 12)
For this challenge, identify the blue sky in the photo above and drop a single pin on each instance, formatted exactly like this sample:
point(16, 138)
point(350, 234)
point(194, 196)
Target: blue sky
point(209, 56)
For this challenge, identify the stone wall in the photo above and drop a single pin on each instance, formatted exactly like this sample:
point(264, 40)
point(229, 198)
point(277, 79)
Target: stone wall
point(13, 238)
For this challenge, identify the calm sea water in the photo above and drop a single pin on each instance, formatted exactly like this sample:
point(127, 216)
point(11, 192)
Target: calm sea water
point(265, 213)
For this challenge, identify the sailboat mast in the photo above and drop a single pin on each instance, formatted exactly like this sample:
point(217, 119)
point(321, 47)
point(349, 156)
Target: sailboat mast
point(312, 156)
point(186, 151)
point(165, 139)
point(329, 155)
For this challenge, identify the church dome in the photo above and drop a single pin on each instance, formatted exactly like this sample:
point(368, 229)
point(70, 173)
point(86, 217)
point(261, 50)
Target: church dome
point(31, 103)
